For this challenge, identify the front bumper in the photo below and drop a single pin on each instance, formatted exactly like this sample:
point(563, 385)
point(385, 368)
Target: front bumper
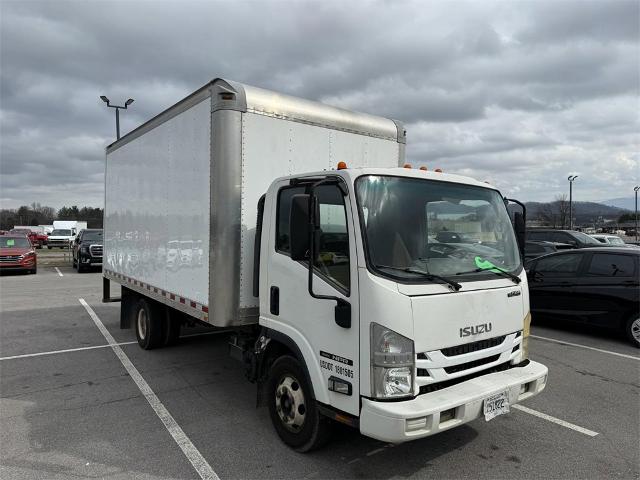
point(24, 265)
point(58, 243)
point(419, 417)
point(87, 260)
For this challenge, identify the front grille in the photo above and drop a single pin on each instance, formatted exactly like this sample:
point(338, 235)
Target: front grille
point(96, 250)
point(448, 383)
point(9, 258)
point(472, 347)
point(470, 365)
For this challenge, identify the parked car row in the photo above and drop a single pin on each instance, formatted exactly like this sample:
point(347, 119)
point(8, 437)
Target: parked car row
point(17, 251)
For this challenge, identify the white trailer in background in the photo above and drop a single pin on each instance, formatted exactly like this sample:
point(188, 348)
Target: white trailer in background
point(213, 209)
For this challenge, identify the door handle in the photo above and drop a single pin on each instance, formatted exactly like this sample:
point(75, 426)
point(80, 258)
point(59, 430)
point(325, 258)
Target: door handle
point(274, 301)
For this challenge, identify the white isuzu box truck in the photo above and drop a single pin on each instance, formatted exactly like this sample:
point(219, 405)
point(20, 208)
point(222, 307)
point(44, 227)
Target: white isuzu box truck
point(412, 316)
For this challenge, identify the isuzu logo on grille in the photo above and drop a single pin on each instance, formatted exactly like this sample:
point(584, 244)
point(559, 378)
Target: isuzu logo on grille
point(475, 329)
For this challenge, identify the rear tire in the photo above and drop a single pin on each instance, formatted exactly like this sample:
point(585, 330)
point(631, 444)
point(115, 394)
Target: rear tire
point(292, 407)
point(632, 329)
point(148, 324)
point(49, 247)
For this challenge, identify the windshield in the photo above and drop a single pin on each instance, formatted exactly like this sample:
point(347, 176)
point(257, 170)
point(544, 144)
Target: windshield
point(435, 227)
point(61, 233)
point(13, 242)
point(88, 235)
point(584, 238)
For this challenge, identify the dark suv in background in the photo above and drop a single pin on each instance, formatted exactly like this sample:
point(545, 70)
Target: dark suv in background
point(570, 238)
point(87, 249)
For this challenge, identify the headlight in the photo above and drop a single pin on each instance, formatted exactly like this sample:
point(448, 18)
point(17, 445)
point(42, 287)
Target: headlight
point(84, 248)
point(526, 331)
point(392, 363)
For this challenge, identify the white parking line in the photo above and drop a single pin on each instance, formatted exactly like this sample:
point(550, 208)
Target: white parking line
point(79, 349)
point(535, 413)
point(59, 272)
point(190, 451)
point(562, 342)
point(53, 352)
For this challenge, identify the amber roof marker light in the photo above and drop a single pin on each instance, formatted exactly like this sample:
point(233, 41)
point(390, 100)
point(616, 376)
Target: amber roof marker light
point(342, 165)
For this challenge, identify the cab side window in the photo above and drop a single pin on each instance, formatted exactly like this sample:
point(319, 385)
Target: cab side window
point(333, 259)
point(332, 263)
point(282, 218)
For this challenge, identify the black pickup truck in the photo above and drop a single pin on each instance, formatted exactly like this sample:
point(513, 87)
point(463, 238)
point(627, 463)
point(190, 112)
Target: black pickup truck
point(87, 249)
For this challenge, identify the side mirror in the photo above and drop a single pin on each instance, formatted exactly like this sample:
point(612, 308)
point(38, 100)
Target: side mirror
point(299, 227)
point(520, 229)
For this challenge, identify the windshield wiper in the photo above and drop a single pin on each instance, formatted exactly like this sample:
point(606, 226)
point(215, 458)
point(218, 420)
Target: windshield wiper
point(429, 276)
point(513, 277)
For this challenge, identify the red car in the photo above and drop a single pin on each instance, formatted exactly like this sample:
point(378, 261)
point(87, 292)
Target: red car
point(17, 253)
point(34, 237)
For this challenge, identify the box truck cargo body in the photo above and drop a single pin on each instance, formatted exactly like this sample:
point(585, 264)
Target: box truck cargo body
point(196, 173)
point(213, 210)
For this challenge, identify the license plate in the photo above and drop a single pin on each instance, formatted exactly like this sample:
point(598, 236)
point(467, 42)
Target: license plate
point(495, 405)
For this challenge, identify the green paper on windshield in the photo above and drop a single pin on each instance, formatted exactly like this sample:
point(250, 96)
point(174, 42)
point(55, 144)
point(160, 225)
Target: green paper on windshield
point(10, 242)
point(487, 265)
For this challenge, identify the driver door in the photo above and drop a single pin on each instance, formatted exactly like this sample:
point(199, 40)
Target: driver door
point(328, 349)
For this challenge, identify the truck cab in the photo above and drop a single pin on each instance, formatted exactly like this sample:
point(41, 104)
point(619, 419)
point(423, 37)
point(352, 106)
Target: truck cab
point(390, 299)
point(394, 331)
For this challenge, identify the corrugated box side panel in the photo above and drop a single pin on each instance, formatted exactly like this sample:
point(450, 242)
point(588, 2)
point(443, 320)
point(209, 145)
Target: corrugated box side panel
point(273, 147)
point(225, 233)
point(157, 206)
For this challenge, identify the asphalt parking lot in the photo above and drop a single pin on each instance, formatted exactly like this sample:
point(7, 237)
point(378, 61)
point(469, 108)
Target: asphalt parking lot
point(69, 408)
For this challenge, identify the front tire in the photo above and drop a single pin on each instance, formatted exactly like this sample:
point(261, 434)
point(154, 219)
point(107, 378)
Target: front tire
point(148, 324)
point(292, 407)
point(632, 329)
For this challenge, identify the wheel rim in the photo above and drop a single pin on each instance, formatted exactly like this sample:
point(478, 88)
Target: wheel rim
point(142, 323)
point(635, 329)
point(290, 403)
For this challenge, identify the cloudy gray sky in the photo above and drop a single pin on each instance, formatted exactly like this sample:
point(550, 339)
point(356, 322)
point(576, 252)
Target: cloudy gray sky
point(518, 93)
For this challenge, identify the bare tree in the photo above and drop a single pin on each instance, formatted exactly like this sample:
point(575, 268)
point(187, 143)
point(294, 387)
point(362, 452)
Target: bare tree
point(562, 205)
point(547, 215)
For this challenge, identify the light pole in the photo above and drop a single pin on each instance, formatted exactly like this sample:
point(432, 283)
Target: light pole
point(635, 189)
point(126, 104)
point(571, 178)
